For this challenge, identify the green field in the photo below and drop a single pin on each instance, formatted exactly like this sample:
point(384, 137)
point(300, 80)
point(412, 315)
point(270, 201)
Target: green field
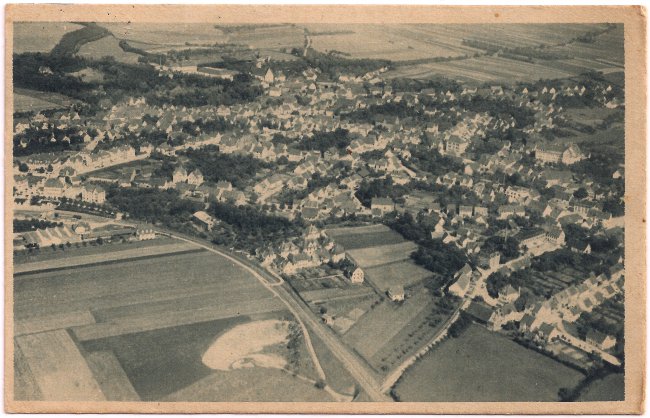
point(611, 388)
point(378, 326)
point(382, 254)
point(403, 273)
point(36, 101)
point(40, 36)
point(481, 366)
point(142, 320)
point(352, 238)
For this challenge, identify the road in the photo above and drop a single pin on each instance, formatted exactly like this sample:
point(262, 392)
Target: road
point(351, 361)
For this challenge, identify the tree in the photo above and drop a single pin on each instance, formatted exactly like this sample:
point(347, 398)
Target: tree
point(23, 168)
point(581, 193)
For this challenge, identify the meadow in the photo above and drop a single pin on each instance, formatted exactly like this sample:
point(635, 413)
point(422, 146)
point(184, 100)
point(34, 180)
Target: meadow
point(378, 326)
point(481, 366)
point(352, 238)
point(39, 36)
point(610, 388)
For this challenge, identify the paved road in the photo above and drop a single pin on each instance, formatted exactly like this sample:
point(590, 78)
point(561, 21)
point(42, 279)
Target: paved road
point(364, 376)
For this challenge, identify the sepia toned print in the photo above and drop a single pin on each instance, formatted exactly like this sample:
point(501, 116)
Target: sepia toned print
point(213, 209)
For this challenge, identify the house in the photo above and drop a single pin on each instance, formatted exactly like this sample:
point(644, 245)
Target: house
point(179, 175)
point(600, 340)
point(195, 178)
point(145, 233)
point(460, 286)
point(507, 211)
point(509, 294)
point(53, 187)
point(356, 275)
point(532, 238)
point(396, 293)
point(381, 206)
point(93, 194)
point(202, 219)
point(568, 155)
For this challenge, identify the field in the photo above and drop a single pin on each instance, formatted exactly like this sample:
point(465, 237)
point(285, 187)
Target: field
point(383, 254)
point(58, 368)
point(364, 236)
point(611, 388)
point(152, 36)
point(483, 366)
point(107, 46)
point(36, 101)
point(156, 248)
point(39, 36)
point(378, 326)
point(132, 314)
point(402, 273)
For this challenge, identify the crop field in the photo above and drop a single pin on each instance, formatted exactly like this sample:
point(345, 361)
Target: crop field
point(58, 368)
point(36, 101)
point(364, 236)
point(127, 252)
point(156, 288)
point(39, 36)
point(610, 388)
point(483, 366)
point(402, 273)
point(127, 316)
point(379, 325)
point(107, 46)
point(151, 36)
point(382, 254)
point(268, 37)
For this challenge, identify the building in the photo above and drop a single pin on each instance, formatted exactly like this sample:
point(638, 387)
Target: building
point(356, 275)
point(204, 220)
point(396, 293)
point(554, 154)
point(509, 294)
point(600, 340)
point(93, 194)
point(145, 233)
point(381, 206)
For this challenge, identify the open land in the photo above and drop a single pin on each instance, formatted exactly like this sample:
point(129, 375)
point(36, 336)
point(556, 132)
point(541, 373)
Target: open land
point(483, 366)
point(364, 236)
point(610, 388)
point(383, 322)
point(39, 36)
point(31, 100)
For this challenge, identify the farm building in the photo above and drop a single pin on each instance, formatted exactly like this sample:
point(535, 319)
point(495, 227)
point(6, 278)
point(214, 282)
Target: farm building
point(396, 293)
point(600, 340)
point(204, 220)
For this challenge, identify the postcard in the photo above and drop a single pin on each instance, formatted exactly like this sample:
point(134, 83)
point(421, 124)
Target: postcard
point(331, 209)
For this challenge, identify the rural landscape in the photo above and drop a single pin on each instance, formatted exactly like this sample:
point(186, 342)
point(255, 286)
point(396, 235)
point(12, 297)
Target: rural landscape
point(318, 212)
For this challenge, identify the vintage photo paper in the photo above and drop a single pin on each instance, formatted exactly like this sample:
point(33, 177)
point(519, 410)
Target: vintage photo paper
point(332, 209)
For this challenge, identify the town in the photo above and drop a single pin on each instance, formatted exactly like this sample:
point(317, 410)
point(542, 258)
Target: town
point(399, 213)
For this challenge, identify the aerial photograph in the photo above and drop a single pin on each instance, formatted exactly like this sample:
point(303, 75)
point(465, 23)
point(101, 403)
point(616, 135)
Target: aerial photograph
point(317, 212)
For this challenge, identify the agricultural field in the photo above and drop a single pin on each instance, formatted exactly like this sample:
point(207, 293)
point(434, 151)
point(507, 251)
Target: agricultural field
point(153, 36)
point(177, 370)
point(172, 304)
point(107, 46)
point(480, 365)
point(352, 238)
point(382, 254)
point(377, 327)
point(39, 36)
point(610, 388)
point(402, 273)
point(37, 101)
point(156, 248)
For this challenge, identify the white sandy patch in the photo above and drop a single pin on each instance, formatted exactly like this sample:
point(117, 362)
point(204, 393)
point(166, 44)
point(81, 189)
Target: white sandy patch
point(241, 347)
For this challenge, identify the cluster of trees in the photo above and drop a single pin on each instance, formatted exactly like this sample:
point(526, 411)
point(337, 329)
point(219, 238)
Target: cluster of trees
point(155, 206)
point(322, 141)
point(215, 166)
point(497, 281)
point(248, 226)
point(559, 260)
point(508, 248)
point(379, 187)
point(72, 41)
point(378, 112)
point(25, 225)
point(122, 80)
point(333, 65)
point(462, 323)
